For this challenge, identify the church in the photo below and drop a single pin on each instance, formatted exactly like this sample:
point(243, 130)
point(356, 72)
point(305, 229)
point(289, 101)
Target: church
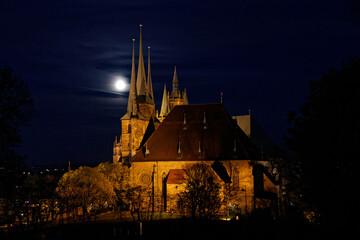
point(158, 146)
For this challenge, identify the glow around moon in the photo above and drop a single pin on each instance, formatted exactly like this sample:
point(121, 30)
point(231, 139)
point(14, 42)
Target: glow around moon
point(121, 84)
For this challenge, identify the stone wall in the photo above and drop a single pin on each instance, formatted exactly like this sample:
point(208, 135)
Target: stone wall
point(132, 132)
point(240, 171)
point(147, 110)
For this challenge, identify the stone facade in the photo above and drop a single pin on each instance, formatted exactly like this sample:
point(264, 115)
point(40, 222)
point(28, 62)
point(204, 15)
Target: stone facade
point(218, 140)
point(168, 192)
point(242, 186)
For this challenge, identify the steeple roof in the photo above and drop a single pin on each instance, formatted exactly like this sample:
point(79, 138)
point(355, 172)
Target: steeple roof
point(185, 97)
point(133, 107)
point(175, 87)
point(141, 79)
point(149, 81)
point(165, 108)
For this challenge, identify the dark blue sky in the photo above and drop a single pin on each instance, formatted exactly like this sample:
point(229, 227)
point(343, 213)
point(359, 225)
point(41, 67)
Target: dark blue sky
point(259, 53)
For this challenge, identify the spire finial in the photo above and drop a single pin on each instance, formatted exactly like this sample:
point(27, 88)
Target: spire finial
point(221, 97)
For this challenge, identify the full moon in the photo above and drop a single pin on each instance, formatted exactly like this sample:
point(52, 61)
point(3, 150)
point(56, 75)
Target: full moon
point(120, 85)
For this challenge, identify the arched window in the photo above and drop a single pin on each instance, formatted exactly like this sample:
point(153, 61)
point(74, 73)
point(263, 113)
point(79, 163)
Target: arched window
point(129, 128)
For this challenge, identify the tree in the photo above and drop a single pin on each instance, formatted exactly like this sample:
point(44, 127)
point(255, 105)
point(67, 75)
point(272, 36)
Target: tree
point(139, 199)
point(86, 188)
point(324, 137)
point(201, 196)
point(118, 175)
point(16, 110)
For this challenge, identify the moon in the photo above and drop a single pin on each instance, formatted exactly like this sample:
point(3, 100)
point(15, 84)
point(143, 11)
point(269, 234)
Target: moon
point(121, 85)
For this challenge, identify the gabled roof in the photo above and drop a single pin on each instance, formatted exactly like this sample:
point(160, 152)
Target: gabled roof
point(253, 130)
point(198, 132)
point(220, 170)
point(149, 130)
point(176, 176)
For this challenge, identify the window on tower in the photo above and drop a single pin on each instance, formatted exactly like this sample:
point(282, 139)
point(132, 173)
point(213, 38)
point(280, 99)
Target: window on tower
point(129, 128)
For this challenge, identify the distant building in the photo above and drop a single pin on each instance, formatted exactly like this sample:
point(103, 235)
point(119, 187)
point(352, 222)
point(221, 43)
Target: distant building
point(157, 147)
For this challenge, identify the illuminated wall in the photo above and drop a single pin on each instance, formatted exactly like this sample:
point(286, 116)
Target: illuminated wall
point(242, 187)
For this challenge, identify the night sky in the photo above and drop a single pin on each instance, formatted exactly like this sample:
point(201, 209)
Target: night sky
point(260, 54)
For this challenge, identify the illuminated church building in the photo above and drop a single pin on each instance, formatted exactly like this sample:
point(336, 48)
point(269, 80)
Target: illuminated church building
point(158, 146)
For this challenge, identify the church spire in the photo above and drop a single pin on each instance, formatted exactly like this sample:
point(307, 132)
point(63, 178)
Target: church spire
point(175, 88)
point(149, 81)
point(141, 79)
point(132, 108)
point(185, 97)
point(164, 104)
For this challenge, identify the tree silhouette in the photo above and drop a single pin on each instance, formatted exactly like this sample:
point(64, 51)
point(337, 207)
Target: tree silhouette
point(201, 195)
point(16, 110)
point(325, 138)
point(139, 199)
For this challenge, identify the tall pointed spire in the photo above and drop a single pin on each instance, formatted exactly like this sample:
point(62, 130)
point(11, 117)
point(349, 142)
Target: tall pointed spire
point(164, 104)
point(186, 102)
point(175, 88)
point(149, 81)
point(141, 79)
point(132, 108)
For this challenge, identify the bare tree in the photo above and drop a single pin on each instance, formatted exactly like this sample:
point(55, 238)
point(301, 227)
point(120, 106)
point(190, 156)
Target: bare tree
point(201, 196)
point(139, 199)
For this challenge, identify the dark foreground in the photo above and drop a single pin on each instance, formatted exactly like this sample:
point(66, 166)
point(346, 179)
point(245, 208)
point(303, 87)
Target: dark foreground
point(184, 229)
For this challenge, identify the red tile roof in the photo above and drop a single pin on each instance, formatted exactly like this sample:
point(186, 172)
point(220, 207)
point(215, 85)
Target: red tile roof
point(216, 137)
point(176, 176)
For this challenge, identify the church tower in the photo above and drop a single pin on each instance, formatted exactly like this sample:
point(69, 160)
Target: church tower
point(140, 108)
point(145, 93)
point(169, 101)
